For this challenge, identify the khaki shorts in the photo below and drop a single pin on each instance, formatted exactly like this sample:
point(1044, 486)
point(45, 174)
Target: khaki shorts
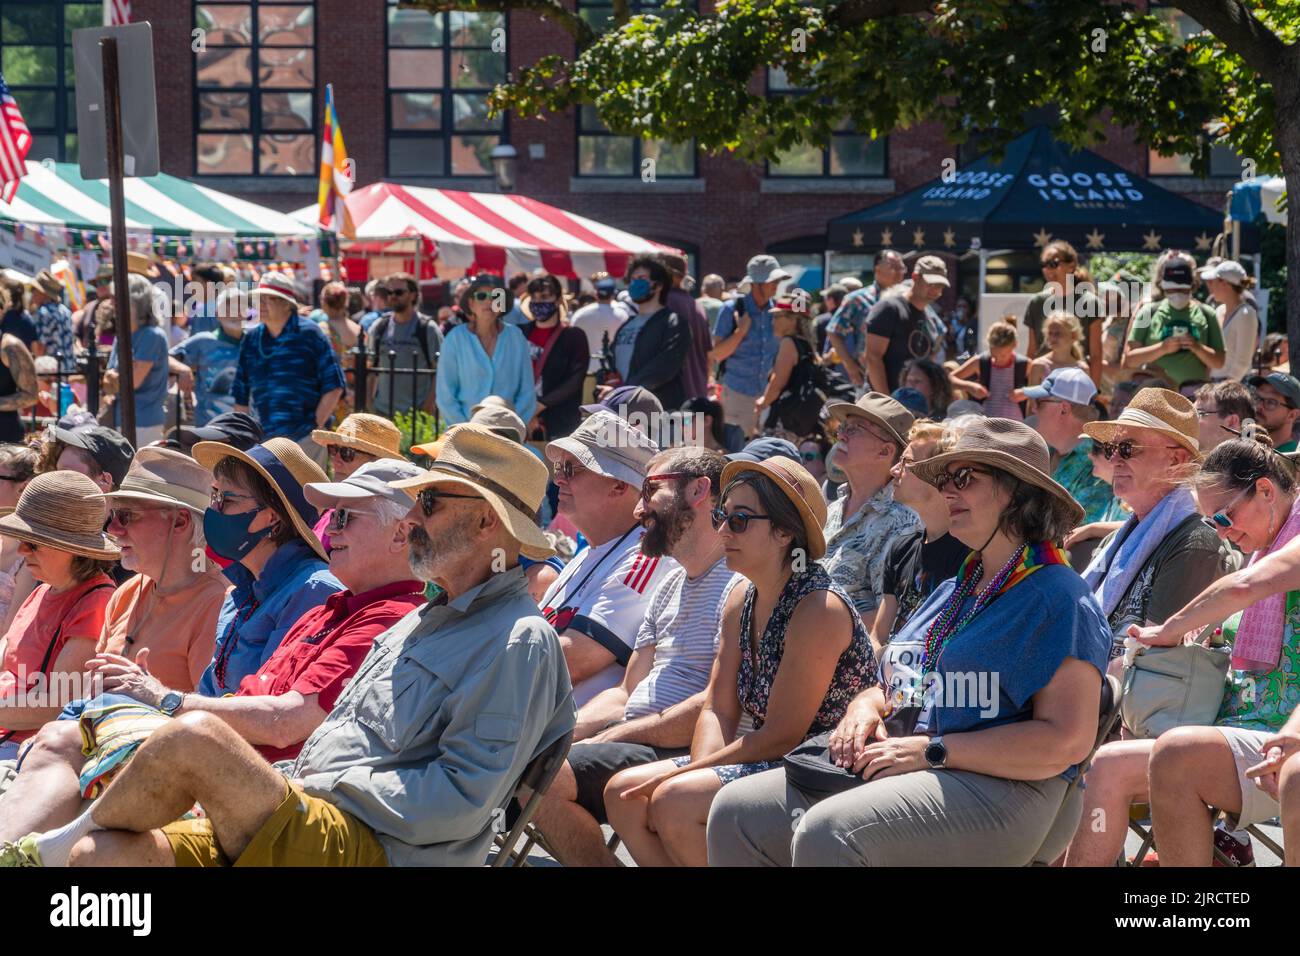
point(303, 831)
point(1256, 805)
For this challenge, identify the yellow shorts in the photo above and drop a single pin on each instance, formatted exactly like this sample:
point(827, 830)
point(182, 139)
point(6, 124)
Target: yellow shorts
point(303, 831)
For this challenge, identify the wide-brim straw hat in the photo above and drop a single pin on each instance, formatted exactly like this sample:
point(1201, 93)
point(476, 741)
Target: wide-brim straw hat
point(167, 477)
point(1008, 446)
point(62, 510)
point(799, 486)
point(1158, 410)
point(509, 477)
point(286, 469)
point(364, 432)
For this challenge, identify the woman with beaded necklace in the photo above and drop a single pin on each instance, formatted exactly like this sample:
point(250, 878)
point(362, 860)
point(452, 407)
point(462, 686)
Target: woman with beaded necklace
point(987, 703)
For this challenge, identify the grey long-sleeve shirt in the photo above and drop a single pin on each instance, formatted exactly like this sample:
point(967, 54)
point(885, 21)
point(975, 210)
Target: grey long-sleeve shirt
point(444, 714)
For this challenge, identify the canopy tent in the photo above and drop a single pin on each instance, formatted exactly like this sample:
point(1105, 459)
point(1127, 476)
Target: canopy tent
point(447, 232)
point(1259, 195)
point(1041, 190)
point(56, 212)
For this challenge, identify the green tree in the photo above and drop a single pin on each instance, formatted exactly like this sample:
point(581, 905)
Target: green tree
point(975, 66)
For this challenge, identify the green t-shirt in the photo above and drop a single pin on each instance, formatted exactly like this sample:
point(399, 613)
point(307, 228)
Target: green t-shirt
point(1158, 321)
point(1265, 701)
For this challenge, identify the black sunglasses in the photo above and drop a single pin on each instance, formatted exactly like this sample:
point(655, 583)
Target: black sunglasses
point(1126, 449)
point(428, 496)
point(960, 478)
point(343, 451)
point(737, 521)
point(1051, 263)
point(340, 517)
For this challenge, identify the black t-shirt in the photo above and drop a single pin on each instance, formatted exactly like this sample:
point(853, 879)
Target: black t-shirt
point(905, 326)
point(19, 323)
point(913, 567)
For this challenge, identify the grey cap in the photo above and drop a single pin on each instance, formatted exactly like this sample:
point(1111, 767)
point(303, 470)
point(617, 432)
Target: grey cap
point(609, 446)
point(501, 420)
point(371, 480)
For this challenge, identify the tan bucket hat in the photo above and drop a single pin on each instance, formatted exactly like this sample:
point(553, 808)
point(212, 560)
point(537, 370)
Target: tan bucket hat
point(62, 510)
point(286, 468)
point(1008, 446)
point(1156, 409)
point(799, 486)
point(364, 432)
point(166, 477)
point(508, 476)
point(881, 410)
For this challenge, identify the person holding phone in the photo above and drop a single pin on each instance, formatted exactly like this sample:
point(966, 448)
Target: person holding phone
point(1176, 334)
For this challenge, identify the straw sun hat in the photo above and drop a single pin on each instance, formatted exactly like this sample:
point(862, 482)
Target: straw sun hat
point(364, 432)
point(286, 469)
point(1158, 410)
point(796, 484)
point(1008, 446)
point(62, 510)
point(508, 476)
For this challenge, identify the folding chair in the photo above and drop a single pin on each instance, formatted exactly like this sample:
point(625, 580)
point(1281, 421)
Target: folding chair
point(1067, 818)
point(537, 778)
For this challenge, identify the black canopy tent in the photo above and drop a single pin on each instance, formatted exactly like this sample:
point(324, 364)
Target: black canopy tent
point(1040, 191)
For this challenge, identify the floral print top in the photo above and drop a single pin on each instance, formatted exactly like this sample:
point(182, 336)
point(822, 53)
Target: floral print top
point(855, 669)
point(855, 544)
point(1264, 701)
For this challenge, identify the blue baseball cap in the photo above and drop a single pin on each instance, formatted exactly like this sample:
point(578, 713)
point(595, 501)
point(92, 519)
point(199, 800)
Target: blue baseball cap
point(761, 449)
point(912, 400)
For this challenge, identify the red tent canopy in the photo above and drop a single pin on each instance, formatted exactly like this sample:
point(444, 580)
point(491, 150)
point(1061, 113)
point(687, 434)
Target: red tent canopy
point(500, 233)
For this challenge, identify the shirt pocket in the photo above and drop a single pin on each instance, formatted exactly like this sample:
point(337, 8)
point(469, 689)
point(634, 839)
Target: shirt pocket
point(498, 735)
point(386, 707)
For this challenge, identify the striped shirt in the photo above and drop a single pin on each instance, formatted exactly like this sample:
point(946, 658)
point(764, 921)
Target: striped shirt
point(681, 627)
point(603, 594)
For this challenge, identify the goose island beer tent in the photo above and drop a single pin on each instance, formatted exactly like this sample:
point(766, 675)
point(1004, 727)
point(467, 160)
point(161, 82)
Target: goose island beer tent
point(446, 233)
point(1041, 190)
point(57, 214)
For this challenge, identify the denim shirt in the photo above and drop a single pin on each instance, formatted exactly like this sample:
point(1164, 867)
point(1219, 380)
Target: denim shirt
point(749, 366)
point(427, 742)
point(258, 612)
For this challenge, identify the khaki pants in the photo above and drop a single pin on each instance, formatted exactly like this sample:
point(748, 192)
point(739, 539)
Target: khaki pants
point(739, 410)
point(923, 818)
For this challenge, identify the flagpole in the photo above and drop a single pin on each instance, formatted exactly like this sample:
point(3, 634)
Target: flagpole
point(117, 228)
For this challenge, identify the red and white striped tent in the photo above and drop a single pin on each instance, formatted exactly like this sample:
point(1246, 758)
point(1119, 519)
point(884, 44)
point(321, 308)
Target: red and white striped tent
point(444, 233)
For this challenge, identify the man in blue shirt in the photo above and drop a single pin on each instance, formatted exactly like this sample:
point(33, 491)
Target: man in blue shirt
point(203, 314)
point(209, 363)
point(377, 301)
point(287, 369)
point(53, 321)
point(846, 332)
point(743, 338)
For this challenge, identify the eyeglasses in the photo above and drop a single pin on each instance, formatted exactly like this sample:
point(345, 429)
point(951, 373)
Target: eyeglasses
point(123, 516)
point(219, 498)
point(849, 429)
point(482, 295)
point(402, 291)
point(737, 522)
point(960, 478)
point(343, 451)
point(428, 496)
point(340, 517)
point(1207, 412)
point(1223, 519)
point(1051, 263)
point(1272, 403)
point(1127, 448)
point(11, 478)
point(647, 486)
point(567, 469)
point(810, 455)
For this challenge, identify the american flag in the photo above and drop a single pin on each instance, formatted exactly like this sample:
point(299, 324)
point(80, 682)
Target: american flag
point(15, 141)
point(117, 12)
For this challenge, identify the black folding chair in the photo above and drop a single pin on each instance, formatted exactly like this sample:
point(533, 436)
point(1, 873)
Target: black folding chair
point(536, 780)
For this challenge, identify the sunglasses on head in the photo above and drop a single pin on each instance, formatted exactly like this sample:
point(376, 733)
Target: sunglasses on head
point(343, 451)
point(428, 496)
point(1126, 449)
point(960, 478)
point(340, 517)
point(737, 521)
point(648, 486)
point(1223, 519)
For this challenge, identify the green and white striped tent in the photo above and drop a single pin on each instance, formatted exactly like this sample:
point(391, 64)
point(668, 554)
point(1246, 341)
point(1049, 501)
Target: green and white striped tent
point(57, 213)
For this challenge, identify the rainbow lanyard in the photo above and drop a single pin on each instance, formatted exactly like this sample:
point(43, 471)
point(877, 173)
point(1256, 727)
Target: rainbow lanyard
point(1019, 566)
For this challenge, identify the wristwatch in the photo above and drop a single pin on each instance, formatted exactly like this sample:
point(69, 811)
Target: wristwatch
point(936, 754)
point(172, 701)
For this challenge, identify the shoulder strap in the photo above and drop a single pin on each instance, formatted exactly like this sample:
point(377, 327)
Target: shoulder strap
point(986, 369)
point(54, 641)
point(1022, 372)
point(422, 333)
point(550, 344)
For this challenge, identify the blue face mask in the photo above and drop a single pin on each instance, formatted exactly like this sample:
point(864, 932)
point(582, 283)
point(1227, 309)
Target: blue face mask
point(228, 535)
point(542, 311)
point(639, 289)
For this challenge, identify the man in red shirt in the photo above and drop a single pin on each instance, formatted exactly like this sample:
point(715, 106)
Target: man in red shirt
point(278, 707)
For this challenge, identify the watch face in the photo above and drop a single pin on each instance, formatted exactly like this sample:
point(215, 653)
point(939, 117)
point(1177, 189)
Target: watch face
point(935, 754)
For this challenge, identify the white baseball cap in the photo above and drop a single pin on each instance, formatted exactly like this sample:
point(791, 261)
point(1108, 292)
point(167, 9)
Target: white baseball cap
point(1229, 270)
point(1067, 385)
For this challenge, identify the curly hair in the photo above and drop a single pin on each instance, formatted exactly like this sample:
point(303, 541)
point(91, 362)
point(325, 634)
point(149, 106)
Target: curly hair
point(1033, 514)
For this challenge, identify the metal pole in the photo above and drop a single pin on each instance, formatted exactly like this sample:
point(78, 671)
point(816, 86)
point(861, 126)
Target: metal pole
point(117, 230)
point(392, 383)
point(359, 364)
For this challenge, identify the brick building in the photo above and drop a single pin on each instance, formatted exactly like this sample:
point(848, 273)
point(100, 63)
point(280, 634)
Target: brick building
point(240, 90)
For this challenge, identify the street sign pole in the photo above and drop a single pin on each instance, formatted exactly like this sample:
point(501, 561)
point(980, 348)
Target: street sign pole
point(117, 228)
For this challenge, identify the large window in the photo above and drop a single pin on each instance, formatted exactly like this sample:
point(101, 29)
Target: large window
point(848, 154)
point(254, 89)
point(36, 57)
point(602, 154)
point(441, 67)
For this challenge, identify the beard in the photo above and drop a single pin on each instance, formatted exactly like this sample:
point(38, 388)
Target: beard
point(429, 554)
point(665, 530)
